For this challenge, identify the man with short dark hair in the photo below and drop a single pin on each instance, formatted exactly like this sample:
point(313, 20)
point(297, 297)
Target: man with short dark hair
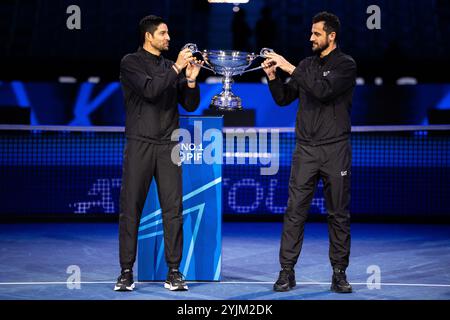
point(152, 88)
point(324, 85)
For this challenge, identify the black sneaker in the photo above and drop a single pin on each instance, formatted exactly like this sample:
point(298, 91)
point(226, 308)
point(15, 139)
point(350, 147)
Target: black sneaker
point(339, 282)
point(286, 280)
point(175, 281)
point(125, 281)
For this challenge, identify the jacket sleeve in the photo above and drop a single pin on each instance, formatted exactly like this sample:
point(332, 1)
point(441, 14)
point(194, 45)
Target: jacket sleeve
point(148, 87)
point(283, 93)
point(189, 98)
point(326, 88)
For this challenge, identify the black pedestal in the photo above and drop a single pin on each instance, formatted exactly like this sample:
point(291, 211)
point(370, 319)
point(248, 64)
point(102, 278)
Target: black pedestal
point(238, 118)
point(14, 115)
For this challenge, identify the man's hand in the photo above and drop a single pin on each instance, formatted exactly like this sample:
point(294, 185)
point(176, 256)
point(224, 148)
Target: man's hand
point(193, 68)
point(184, 57)
point(280, 62)
point(269, 68)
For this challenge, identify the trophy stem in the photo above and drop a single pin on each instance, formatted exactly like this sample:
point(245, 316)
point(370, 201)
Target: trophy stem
point(226, 100)
point(227, 81)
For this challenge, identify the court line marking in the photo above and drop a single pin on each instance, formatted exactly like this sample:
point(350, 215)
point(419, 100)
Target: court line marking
point(230, 282)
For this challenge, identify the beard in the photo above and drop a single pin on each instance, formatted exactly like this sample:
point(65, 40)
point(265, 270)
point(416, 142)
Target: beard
point(161, 46)
point(319, 49)
point(164, 47)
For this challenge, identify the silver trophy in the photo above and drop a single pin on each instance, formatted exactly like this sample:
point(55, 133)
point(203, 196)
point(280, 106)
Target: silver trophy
point(227, 63)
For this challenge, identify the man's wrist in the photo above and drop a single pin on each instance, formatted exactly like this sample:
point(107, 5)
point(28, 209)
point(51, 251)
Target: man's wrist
point(290, 69)
point(177, 69)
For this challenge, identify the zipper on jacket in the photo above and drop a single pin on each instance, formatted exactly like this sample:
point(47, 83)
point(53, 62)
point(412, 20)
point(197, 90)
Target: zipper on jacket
point(334, 111)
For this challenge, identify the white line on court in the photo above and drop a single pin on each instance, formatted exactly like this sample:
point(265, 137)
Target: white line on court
point(228, 282)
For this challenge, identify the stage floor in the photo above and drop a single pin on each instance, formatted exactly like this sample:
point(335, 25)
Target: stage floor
point(414, 261)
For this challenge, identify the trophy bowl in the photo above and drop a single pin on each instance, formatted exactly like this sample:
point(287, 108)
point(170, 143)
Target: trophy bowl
point(227, 63)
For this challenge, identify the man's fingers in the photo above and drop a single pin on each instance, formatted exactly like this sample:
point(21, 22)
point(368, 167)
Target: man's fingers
point(271, 62)
point(185, 53)
point(267, 63)
point(271, 55)
point(198, 62)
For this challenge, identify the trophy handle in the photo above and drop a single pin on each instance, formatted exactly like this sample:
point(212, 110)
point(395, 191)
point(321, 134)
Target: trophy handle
point(194, 49)
point(203, 66)
point(261, 54)
point(203, 54)
point(252, 69)
point(265, 51)
point(191, 46)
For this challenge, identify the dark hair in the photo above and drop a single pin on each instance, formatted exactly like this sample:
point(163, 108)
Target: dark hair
point(149, 24)
point(331, 22)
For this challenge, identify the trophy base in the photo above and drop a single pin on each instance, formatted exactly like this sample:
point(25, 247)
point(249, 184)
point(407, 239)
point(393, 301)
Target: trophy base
point(226, 103)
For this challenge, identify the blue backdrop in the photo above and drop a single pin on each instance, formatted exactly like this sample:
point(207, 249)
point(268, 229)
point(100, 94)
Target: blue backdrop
point(86, 104)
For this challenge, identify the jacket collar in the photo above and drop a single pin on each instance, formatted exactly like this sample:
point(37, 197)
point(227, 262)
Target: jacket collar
point(144, 53)
point(324, 60)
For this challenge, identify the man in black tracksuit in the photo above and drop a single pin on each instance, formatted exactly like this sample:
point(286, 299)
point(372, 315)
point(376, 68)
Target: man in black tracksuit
point(324, 85)
point(152, 88)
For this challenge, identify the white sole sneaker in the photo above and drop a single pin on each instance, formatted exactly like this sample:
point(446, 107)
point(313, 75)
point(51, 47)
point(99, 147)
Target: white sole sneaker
point(124, 288)
point(173, 288)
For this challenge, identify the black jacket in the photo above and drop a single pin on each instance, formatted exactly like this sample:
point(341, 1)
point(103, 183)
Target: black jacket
point(152, 90)
point(325, 90)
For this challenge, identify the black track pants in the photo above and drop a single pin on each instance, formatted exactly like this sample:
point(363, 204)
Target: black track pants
point(141, 162)
point(332, 163)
